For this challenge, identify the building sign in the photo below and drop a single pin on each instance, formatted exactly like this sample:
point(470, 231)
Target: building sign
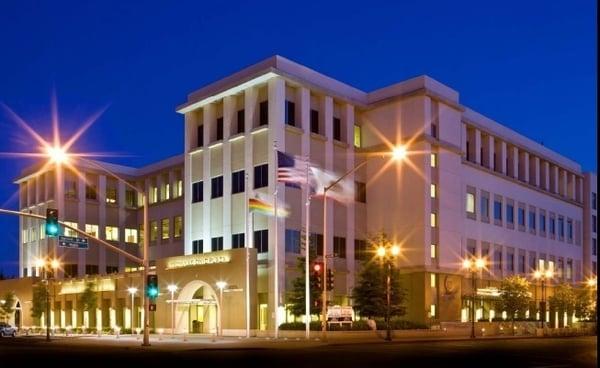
point(197, 260)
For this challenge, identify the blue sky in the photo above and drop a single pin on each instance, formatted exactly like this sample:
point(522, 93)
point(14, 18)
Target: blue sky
point(530, 65)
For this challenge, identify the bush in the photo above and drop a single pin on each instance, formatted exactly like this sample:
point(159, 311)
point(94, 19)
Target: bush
point(359, 325)
point(300, 326)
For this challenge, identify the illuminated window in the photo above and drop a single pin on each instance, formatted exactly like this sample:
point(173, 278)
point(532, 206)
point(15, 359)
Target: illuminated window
point(164, 225)
point(470, 203)
point(69, 232)
point(112, 233)
point(153, 230)
point(541, 265)
point(32, 234)
point(179, 188)
point(42, 231)
point(432, 190)
point(131, 235)
point(433, 160)
point(433, 250)
point(432, 280)
point(357, 136)
point(130, 198)
point(432, 310)
point(167, 190)
point(177, 226)
point(111, 195)
point(433, 220)
point(25, 236)
point(153, 195)
point(91, 230)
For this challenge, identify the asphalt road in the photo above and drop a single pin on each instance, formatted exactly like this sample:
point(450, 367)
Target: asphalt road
point(542, 352)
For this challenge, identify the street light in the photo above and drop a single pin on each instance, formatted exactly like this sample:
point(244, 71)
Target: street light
point(473, 265)
point(543, 276)
point(132, 290)
point(172, 289)
point(44, 265)
point(397, 153)
point(382, 252)
point(221, 285)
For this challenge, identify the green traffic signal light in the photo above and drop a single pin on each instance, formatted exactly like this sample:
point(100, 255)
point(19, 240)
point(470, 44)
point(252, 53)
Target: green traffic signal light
point(52, 228)
point(152, 286)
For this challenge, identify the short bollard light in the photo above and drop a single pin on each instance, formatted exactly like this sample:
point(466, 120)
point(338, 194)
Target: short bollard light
point(185, 335)
point(68, 330)
point(99, 331)
point(117, 331)
point(137, 332)
point(160, 333)
point(482, 331)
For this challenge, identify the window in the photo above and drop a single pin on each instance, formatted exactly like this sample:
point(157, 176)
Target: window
point(593, 200)
point(594, 224)
point(360, 250)
point(237, 182)
point(261, 241)
point(197, 192)
point(43, 231)
point(130, 198)
point(292, 241)
point(111, 195)
point(112, 233)
point(200, 131)
point(197, 246)
point(433, 220)
point(261, 176)
point(485, 207)
point(552, 225)
point(314, 121)
point(357, 136)
point(594, 247)
point(541, 264)
point(178, 189)
point(290, 113)
point(470, 204)
point(521, 216)
point(90, 192)
point(570, 229)
point(542, 222)
point(219, 128)
point(434, 130)
point(263, 113)
point(165, 192)
point(67, 231)
point(433, 159)
point(532, 220)
point(164, 229)
point(237, 241)
point(153, 194)
point(216, 187)
point(498, 210)
point(561, 227)
point(522, 263)
point(432, 280)
point(432, 190)
point(316, 240)
point(241, 121)
point(360, 192)
point(432, 310)
point(91, 269)
point(339, 247)
point(153, 230)
point(141, 233)
point(177, 226)
point(70, 189)
point(532, 261)
point(112, 269)
point(432, 251)
point(510, 213)
point(498, 259)
point(91, 230)
point(510, 262)
point(216, 244)
point(569, 270)
point(337, 129)
point(131, 236)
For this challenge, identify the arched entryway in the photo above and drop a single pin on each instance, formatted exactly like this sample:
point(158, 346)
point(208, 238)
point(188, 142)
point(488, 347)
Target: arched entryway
point(197, 308)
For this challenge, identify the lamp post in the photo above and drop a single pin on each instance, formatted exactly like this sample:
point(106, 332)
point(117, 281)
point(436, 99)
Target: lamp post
point(543, 276)
point(389, 254)
point(172, 289)
point(44, 265)
point(473, 265)
point(398, 153)
point(132, 290)
point(221, 285)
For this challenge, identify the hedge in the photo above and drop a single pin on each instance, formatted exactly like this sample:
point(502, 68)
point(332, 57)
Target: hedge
point(360, 325)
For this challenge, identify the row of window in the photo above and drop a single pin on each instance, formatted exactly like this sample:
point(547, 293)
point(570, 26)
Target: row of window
point(261, 180)
point(70, 270)
point(261, 242)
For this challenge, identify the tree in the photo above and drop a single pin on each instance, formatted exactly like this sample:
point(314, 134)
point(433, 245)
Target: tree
point(585, 305)
point(297, 298)
point(7, 305)
point(39, 300)
point(369, 294)
point(563, 300)
point(514, 297)
point(88, 299)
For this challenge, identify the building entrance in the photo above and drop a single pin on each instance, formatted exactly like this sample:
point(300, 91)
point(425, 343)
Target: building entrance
point(196, 309)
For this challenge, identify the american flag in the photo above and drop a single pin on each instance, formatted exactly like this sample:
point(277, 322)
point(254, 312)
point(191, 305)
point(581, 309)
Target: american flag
point(291, 170)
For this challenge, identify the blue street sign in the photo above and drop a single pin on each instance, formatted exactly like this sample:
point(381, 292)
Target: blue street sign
point(73, 242)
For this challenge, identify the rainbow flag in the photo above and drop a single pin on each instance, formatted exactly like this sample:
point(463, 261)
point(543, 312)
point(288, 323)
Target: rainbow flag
point(256, 205)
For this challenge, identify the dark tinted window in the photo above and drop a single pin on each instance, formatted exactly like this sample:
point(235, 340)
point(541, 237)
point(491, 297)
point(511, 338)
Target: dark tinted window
point(237, 182)
point(197, 192)
point(263, 113)
point(217, 187)
point(261, 176)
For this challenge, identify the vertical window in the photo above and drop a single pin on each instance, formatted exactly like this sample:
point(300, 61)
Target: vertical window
point(360, 250)
point(153, 195)
point(165, 231)
point(552, 225)
point(570, 229)
point(111, 195)
point(432, 251)
point(216, 186)
point(561, 227)
point(433, 159)
point(433, 220)
point(521, 216)
point(178, 188)
point(498, 259)
point(200, 131)
point(569, 270)
point(131, 236)
point(542, 222)
point(339, 247)
point(316, 241)
point(432, 280)
point(510, 262)
point(67, 231)
point(510, 214)
point(43, 231)
point(177, 226)
point(532, 220)
point(593, 200)
point(216, 244)
point(197, 192)
point(219, 128)
point(292, 241)
point(197, 246)
point(498, 210)
point(70, 189)
point(360, 192)
point(522, 263)
point(261, 241)
point(485, 207)
point(92, 230)
point(432, 190)
point(130, 198)
point(90, 192)
point(594, 247)
point(263, 113)
point(237, 182)
point(290, 113)
point(337, 129)
point(594, 224)
point(241, 121)
point(357, 136)
point(314, 121)
point(153, 230)
point(237, 241)
point(541, 264)
point(470, 203)
point(112, 233)
point(434, 130)
point(261, 176)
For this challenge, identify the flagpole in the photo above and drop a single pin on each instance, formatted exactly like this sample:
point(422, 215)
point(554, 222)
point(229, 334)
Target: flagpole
point(247, 246)
point(307, 255)
point(275, 250)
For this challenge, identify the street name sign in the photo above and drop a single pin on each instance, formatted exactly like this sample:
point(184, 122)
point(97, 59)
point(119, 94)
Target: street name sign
point(73, 242)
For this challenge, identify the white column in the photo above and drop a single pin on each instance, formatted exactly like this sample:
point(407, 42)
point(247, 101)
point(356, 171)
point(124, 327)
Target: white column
point(303, 103)
point(563, 183)
point(209, 121)
point(580, 190)
point(327, 113)
point(545, 175)
point(81, 212)
point(503, 168)
point(122, 215)
point(229, 111)
point(572, 186)
point(190, 138)
point(101, 195)
point(478, 146)
point(555, 181)
point(348, 121)
point(524, 166)
point(490, 152)
point(514, 161)
point(463, 140)
point(250, 112)
point(536, 171)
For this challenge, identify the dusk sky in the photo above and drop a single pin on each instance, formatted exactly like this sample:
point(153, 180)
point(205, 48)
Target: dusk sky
point(530, 65)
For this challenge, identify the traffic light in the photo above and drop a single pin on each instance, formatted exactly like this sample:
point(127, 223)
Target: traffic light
point(152, 307)
point(152, 286)
point(329, 279)
point(318, 274)
point(52, 228)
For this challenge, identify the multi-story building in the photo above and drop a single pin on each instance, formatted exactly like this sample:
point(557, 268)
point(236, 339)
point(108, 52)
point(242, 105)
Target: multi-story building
point(468, 187)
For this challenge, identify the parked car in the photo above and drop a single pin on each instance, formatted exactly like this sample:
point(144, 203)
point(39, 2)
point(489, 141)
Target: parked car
point(7, 330)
